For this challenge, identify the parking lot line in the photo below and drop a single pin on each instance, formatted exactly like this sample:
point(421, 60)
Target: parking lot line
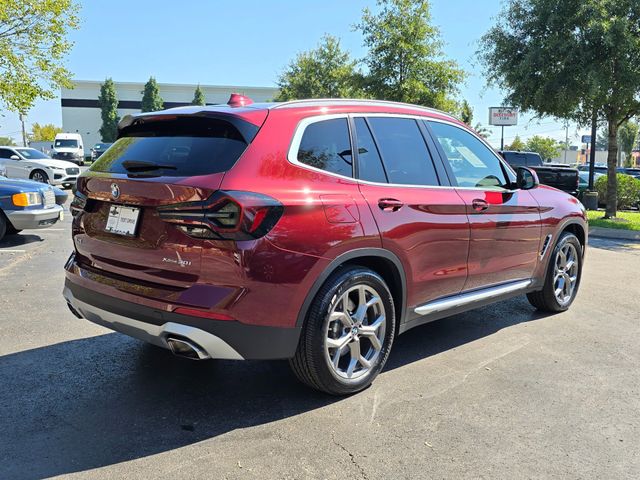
point(12, 251)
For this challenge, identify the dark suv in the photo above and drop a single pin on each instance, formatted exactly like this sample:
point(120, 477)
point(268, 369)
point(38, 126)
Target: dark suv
point(315, 231)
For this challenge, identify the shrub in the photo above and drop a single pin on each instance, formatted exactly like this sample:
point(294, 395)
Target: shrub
point(628, 190)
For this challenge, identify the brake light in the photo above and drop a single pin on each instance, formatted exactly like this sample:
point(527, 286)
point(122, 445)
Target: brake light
point(202, 314)
point(226, 215)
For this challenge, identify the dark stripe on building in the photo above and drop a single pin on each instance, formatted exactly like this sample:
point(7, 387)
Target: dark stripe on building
point(128, 104)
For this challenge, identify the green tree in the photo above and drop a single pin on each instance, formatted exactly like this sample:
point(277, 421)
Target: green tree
point(517, 144)
point(602, 139)
point(33, 45)
point(570, 59)
point(198, 97)
point(628, 136)
point(546, 147)
point(324, 72)
point(466, 113)
point(405, 59)
point(108, 101)
point(481, 130)
point(43, 133)
point(151, 99)
point(7, 141)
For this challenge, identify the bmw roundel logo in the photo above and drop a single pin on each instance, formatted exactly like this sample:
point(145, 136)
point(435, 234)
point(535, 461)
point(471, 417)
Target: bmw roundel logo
point(115, 190)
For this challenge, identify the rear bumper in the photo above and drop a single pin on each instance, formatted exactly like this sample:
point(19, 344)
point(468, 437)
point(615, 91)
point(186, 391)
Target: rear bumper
point(220, 339)
point(31, 219)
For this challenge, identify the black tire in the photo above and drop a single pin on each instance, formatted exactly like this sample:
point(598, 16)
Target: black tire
point(39, 176)
point(11, 230)
point(311, 363)
point(546, 299)
point(3, 225)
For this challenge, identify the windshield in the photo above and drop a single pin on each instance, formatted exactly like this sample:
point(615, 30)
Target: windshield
point(64, 143)
point(101, 146)
point(31, 153)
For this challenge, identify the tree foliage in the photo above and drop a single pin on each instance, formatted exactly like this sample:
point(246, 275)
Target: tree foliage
point(33, 44)
point(547, 148)
point(628, 136)
point(44, 133)
point(108, 101)
point(324, 72)
point(151, 99)
point(517, 144)
point(7, 141)
point(198, 97)
point(569, 59)
point(405, 60)
point(466, 113)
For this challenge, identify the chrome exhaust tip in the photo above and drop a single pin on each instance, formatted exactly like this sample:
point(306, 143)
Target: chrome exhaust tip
point(182, 347)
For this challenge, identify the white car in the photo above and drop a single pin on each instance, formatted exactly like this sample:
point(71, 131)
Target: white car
point(29, 163)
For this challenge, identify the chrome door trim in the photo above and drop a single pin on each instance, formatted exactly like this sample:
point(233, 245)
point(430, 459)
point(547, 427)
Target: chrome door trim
point(467, 298)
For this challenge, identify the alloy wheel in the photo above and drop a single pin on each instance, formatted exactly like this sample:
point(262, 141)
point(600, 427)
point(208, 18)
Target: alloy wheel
point(565, 273)
point(39, 177)
point(355, 332)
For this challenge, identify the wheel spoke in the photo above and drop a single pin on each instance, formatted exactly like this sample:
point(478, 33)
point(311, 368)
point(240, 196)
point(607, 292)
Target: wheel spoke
point(343, 317)
point(362, 296)
point(339, 343)
point(352, 366)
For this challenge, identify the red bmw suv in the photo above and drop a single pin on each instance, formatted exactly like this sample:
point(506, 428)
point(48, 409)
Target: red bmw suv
point(315, 231)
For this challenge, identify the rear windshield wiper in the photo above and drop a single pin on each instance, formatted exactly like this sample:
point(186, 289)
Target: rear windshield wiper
point(136, 166)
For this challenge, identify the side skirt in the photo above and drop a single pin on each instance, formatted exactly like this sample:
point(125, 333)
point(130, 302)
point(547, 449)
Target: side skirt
point(462, 302)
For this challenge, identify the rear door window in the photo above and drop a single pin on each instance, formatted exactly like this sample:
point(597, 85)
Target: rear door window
point(183, 147)
point(405, 155)
point(326, 145)
point(369, 162)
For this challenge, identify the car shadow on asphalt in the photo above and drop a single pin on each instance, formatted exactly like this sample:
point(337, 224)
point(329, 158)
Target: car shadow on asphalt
point(99, 401)
point(19, 240)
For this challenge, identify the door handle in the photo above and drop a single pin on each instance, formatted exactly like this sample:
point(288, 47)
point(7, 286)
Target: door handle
point(390, 204)
point(479, 205)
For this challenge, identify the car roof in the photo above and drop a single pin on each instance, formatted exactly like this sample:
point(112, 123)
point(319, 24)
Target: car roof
point(337, 105)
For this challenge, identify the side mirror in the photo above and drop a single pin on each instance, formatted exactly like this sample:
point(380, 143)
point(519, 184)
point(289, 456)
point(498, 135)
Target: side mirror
point(526, 179)
point(14, 157)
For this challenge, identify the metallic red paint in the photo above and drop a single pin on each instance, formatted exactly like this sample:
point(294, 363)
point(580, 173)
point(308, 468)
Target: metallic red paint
point(447, 239)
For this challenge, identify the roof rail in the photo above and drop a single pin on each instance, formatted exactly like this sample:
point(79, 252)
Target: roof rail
point(333, 101)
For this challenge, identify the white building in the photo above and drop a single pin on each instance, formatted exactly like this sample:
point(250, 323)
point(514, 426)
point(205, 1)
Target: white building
point(81, 113)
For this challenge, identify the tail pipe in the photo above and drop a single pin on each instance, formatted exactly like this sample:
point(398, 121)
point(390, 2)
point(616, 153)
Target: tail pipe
point(182, 347)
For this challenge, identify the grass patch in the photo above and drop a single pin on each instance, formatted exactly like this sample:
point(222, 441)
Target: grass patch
point(623, 220)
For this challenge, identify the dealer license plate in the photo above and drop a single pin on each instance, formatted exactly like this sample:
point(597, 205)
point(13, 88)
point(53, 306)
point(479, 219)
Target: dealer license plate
point(122, 220)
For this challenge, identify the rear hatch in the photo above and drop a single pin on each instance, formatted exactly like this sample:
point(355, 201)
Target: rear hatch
point(169, 160)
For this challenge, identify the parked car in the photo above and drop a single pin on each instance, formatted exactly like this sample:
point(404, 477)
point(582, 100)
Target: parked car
point(561, 177)
point(31, 164)
point(599, 168)
point(315, 231)
point(61, 196)
point(69, 146)
point(583, 184)
point(26, 205)
point(98, 149)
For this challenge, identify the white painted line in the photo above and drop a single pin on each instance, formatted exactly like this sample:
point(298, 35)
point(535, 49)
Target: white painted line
point(56, 229)
point(12, 251)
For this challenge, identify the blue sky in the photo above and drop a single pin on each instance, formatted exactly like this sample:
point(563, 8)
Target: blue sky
point(248, 42)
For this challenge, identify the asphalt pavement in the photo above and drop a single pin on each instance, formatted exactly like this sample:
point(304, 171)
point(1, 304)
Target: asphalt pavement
point(499, 392)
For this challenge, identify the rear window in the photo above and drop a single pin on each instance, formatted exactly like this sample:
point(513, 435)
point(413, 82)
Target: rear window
point(182, 147)
point(326, 145)
point(515, 159)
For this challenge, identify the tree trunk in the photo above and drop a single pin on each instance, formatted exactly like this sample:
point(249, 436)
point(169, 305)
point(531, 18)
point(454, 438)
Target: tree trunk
point(612, 163)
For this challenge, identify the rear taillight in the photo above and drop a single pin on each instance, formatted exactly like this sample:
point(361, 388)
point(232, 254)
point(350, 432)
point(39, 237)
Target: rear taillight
point(226, 215)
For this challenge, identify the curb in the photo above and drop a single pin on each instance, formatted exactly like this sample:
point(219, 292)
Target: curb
point(614, 233)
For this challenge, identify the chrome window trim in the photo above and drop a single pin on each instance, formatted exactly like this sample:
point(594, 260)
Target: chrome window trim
point(294, 146)
point(292, 155)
